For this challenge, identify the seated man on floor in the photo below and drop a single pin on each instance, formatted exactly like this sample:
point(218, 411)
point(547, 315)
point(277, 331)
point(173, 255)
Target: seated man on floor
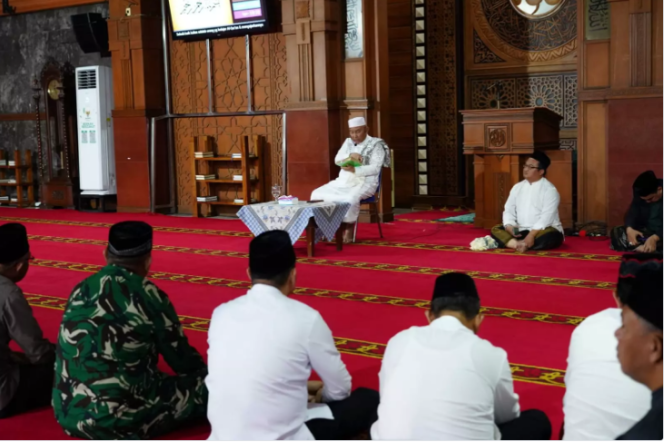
point(640, 346)
point(26, 379)
point(262, 348)
point(443, 382)
point(530, 219)
point(642, 231)
point(116, 325)
point(355, 183)
point(601, 402)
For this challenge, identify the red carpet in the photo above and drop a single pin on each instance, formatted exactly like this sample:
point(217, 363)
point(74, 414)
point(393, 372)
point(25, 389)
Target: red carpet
point(366, 293)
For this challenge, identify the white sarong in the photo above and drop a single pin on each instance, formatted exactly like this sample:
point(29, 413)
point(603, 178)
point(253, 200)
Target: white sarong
point(352, 187)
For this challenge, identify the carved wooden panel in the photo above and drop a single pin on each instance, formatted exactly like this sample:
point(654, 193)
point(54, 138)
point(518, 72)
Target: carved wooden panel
point(445, 163)
point(513, 36)
point(554, 91)
point(269, 92)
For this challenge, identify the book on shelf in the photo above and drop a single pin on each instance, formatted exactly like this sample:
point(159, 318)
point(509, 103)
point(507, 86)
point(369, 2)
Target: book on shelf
point(207, 199)
point(4, 198)
point(236, 155)
point(11, 163)
point(206, 154)
point(206, 177)
point(237, 177)
point(8, 181)
point(241, 201)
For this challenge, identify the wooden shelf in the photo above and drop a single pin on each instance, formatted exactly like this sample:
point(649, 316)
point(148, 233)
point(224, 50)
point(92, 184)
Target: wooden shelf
point(221, 203)
point(227, 181)
point(248, 165)
point(22, 173)
point(225, 159)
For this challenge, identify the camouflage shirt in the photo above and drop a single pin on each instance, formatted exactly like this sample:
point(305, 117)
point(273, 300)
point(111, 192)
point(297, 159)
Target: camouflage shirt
point(114, 328)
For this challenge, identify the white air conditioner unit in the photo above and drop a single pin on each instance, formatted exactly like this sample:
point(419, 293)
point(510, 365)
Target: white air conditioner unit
point(96, 158)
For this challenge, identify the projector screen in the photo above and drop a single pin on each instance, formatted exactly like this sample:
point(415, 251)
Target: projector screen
point(196, 19)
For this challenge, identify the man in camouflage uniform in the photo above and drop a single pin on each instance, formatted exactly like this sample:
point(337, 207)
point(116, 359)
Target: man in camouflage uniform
point(115, 326)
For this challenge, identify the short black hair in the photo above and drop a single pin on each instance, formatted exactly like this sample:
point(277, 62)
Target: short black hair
point(469, 307)
point(646, 184)
point(129, 262)
point(455, 292)
point(278, 280)
point(631, 265)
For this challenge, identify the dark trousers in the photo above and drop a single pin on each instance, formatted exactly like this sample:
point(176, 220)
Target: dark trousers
point(620, 242)
point(34, 390)
point(531, 425)
point(549, 238)
point(352, 416)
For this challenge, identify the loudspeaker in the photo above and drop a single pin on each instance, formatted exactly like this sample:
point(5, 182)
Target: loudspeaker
point(91, 32)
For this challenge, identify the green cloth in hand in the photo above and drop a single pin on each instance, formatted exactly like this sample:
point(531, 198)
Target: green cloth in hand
point(350, 162)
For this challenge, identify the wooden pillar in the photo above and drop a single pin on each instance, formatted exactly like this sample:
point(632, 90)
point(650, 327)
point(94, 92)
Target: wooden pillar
point(313, 45)
point(366, 88)
point(138, 87)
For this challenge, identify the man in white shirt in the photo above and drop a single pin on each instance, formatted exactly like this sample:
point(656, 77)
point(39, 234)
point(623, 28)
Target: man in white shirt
point(262, 348)
point(356, 183)
point(601, 402)
point(443, 382)
point(530, 219)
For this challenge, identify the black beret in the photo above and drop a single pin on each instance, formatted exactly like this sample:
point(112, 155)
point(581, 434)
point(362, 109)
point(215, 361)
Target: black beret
point(13, 242)
point(646, 183)
point(271, 253)
point(542, 158)
point(454, 285)
point(130, 239)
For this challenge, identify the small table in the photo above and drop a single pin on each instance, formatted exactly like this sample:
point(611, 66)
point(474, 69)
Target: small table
point(320, 220)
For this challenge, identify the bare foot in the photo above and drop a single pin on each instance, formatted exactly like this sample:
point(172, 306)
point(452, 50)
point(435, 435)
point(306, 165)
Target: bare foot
point(639, 249)
point(348, 234)
point(521, 247)
point(512, 244)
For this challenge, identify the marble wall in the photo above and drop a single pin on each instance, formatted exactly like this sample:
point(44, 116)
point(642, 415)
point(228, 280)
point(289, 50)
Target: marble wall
point(26, 41)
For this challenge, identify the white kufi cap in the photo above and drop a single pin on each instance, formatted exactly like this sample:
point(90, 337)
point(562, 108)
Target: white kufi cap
point(356, 122)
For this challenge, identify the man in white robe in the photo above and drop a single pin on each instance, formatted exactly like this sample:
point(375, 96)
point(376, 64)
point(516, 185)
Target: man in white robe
point(356, 183)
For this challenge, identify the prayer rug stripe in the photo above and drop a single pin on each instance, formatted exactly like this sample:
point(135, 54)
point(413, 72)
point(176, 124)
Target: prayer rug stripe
point(490, 276)
point(375, 243)
point(520, 372)
point(522, 315)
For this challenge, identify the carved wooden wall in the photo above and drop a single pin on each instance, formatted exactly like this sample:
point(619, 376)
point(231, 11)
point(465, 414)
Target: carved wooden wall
point(440, 169)
point(620, 102)
point(534, 60)
point(229, 81)
point(402, 95)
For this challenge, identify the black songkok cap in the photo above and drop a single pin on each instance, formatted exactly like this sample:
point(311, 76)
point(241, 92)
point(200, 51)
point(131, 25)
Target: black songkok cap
point(640, 285)
point(270, 254)
point(454, 285)
point(13, 242)
point(130, 239)
point(542, 158)
point(646, 183)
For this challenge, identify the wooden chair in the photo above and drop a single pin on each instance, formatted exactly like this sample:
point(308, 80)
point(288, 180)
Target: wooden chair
point(373, 207)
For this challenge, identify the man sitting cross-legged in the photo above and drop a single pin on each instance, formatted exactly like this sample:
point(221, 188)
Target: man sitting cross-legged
point(263, 346)
point(443, 382)
point(601, 402)
point(530, 219)
point(26, 378)
point(116, 325)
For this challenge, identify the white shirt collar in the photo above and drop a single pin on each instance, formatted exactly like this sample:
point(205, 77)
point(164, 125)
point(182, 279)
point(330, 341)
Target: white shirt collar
point(264, 290)
point(449, 323)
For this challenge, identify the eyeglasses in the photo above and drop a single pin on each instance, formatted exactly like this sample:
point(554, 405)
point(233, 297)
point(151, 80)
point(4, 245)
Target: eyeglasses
point(530, 166)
